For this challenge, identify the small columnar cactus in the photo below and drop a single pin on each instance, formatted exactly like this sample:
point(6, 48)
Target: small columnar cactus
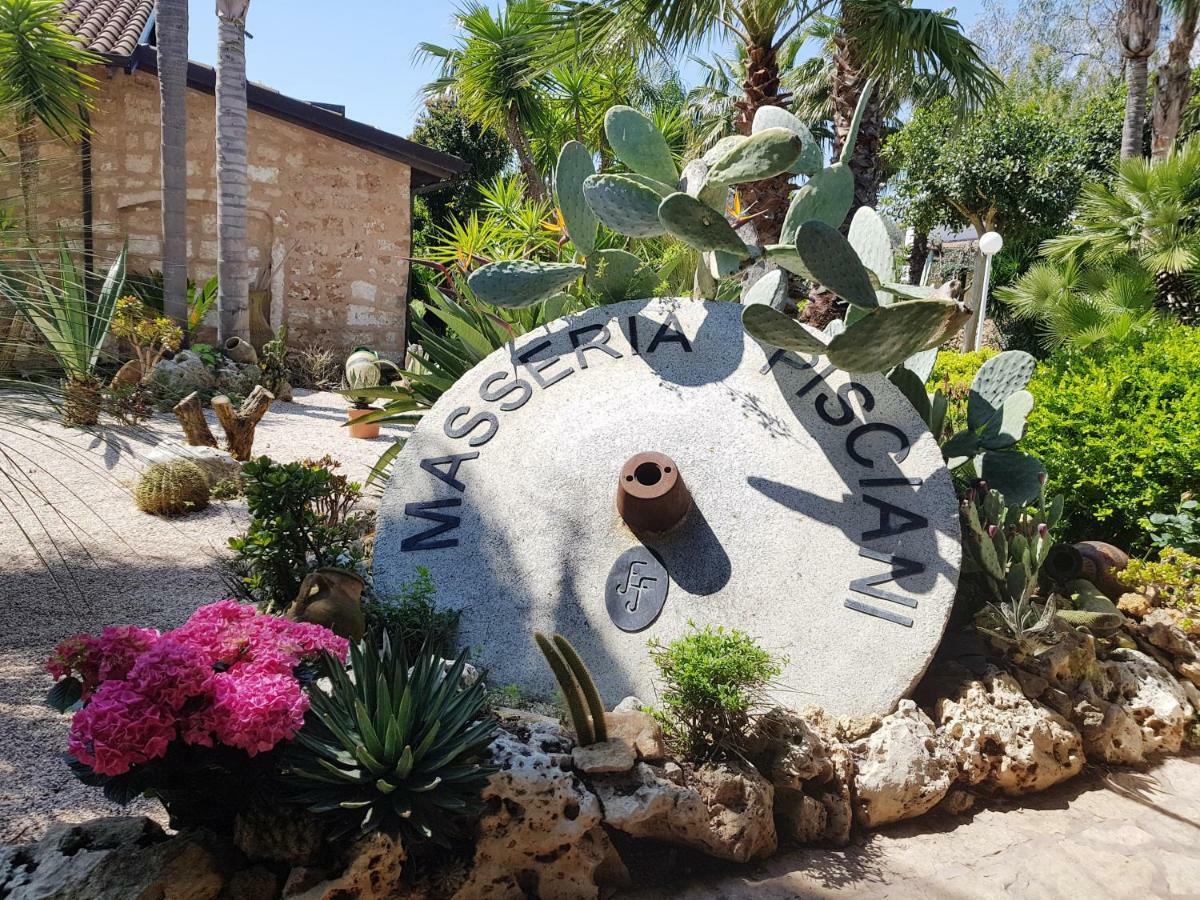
point(887, 323)
point(173, 488)
point(578, 689)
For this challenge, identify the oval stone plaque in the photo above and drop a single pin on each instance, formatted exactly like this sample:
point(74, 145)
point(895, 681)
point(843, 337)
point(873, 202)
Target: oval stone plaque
point(823, 521)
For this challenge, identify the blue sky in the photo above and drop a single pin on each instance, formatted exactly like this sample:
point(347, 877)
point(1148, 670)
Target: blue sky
point(361, 56)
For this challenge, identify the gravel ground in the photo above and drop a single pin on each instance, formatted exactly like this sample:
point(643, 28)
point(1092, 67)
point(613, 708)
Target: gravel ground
point(96, 559)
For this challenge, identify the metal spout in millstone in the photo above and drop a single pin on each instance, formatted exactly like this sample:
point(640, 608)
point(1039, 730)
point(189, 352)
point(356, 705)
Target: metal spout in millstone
point(651, 495)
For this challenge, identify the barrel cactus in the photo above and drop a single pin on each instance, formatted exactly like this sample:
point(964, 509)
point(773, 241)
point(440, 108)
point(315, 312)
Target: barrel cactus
point(173, 488)
point(888, 324)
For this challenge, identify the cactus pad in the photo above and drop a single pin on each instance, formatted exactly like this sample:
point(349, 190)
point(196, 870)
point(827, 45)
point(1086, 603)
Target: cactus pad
point(785, 255)
point(699, 225)
point(870, 239)
point(1015, 475)
point(721, 147)
point(1007, 424)
point(764, 154)
point(663, 190)
point(826, 197)
point(173, 488)
point(810, 161)
point(624, 205)
point(888, 335)
point(575, 165)
point(852, 135)
point(619, 275)
point(997, 379)
point(834, 264)
point(769, 325)
point(639, 144)
point(771, 290)
point(521, 283)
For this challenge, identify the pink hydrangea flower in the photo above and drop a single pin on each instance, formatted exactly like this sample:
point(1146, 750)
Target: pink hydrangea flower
point(253, 711)
point(119, 728)
point(171, 673)
point(77, 657)
point(119, 647)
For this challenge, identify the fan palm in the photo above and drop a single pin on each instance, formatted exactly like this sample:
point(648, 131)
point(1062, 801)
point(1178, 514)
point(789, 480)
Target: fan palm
point(1137, 35)
point(43, 83)
point(488, 73)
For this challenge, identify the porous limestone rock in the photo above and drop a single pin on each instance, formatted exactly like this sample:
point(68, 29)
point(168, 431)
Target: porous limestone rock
point(541, 835)
point(1190, 671)
point(185, 372)
point(788, 751)
point(723, 809)
point(1110, 732)
point(604, 757)
point(902, 770)
point(1134, 604)
point(217, 465)
point(640, 731)
point(1005, 743)
point(373, 871)
point(122, 856)
point(1150, 694)
point(1159, 628)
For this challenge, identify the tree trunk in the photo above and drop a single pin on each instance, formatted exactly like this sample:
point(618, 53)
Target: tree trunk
point(233, 282)
point(88, 206)
point(849, 79)
point(1173, 83)
point(535, 188)
point(190, 414)
point(171, 28)
point(917, 256)
point(239, 426)
point(27, 151)
point(1137, 34)
point(767, 200)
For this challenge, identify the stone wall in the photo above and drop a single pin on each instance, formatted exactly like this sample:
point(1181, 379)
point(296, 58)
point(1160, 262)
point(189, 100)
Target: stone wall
point(328, 222)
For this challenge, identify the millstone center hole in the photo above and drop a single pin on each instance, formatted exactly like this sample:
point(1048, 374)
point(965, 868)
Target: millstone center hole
point(648, 473)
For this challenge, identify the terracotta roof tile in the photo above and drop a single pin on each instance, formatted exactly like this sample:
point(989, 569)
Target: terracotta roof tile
point(111, 27)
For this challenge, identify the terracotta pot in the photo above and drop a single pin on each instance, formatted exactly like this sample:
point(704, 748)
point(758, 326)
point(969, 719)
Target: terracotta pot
point(367, 430)
point(241, 352)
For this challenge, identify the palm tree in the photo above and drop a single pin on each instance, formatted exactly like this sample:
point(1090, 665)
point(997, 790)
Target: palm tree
point(1137, 34)
point(43, 84)
point(873, 38)
point(233, 281)
point(171, 29)
point(1173, 81)
point(489, 75)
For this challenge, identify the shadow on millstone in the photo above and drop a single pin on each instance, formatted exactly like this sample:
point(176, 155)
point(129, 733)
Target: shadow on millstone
point(693, 555)
point(652, 335)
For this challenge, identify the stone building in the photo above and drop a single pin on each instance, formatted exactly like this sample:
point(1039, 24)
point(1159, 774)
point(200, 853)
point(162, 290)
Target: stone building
point(329, 215)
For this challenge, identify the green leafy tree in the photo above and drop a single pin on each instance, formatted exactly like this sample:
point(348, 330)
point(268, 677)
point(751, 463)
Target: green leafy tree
point(1173, 80)
point(442, 126)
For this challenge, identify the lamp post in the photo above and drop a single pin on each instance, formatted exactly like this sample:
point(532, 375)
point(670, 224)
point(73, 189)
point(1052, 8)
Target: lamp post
point(989, 245)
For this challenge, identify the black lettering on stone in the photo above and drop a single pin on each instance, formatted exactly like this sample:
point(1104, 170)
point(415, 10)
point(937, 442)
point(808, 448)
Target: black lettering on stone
point(900, 568)
point(783, 356)
point(886, 614)
point(517, 384)
point(536, 370)
point(843, 393)
point(488, 420)
point(445, 522)
point(669, 333)
point(890, 482)
point(598, 341)
point(450, 476)
point(633, 338)
point(862, 431)
point(530, 352)
point(905, 520)
point(814, 381)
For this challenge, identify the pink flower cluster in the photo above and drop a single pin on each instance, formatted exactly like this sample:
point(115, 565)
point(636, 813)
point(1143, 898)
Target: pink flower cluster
point(225, 677)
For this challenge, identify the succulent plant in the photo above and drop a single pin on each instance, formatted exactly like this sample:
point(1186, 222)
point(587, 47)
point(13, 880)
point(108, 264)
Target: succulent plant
point(173, 488)
point(398, 746)
point(1005, 545)
point(363, 374)
point(578, 689)
point(887, 323)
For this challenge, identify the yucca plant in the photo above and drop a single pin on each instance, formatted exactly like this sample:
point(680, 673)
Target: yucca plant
point(73, 325)
point(393, 744)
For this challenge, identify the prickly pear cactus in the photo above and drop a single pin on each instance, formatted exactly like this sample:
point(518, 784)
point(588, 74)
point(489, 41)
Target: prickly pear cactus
point(173, 488)
point(887, 323)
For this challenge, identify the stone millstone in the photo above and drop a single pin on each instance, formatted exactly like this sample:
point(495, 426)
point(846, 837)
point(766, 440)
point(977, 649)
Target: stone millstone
point(824, 522)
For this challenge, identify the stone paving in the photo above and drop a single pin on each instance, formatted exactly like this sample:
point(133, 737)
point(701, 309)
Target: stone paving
point(1109, 833)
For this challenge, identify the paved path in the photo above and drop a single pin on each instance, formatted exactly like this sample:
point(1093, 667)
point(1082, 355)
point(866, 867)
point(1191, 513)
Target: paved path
point(1118, 834)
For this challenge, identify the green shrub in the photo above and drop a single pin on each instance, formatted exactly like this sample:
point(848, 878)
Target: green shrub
point(952, 374)
point(300, 521)
point(1119, 433)
point(1179, 529)
point(1172, 581)
point(397, 747)
point(713, 682)
point(412, 618)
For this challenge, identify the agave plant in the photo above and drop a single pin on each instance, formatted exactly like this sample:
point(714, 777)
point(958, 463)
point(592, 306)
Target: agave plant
point(73, 325)
point(392, 744)
point(887, 322)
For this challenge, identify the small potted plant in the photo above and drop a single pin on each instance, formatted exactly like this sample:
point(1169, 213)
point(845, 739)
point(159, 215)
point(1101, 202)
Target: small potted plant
point(363, 370)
